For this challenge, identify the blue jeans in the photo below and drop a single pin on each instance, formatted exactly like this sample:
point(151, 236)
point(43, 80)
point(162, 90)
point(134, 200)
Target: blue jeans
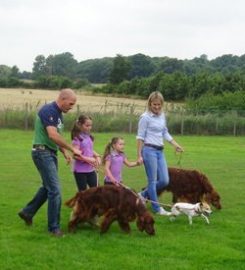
point(47, 165)
point(157, 174)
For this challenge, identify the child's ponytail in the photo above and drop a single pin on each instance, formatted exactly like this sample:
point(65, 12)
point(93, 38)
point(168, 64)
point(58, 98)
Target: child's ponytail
point(106, 152)
point(109, 147)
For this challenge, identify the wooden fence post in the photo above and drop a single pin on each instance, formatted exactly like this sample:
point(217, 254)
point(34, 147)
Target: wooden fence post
point(234, 123)
point(131, 119)
point(105, 106)
point(26, 116)
point(182, 124)
point(78, 110)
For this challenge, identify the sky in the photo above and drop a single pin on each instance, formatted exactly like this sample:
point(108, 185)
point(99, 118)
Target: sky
point(90, 29)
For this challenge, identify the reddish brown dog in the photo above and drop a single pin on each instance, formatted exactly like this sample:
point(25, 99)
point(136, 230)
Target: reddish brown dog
point(191, 186)
point(115, 204)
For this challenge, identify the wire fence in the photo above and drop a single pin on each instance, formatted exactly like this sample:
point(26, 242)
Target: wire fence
point(121, 117)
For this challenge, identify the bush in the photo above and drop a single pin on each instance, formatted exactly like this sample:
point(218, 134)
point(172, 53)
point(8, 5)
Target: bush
point(53, 82)
point(225, 101)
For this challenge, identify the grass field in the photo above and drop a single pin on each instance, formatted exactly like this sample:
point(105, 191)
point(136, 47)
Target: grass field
point(12, 98)
point(17, 98)
point(176, 245)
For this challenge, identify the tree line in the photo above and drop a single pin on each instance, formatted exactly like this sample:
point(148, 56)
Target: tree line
point(138, 74)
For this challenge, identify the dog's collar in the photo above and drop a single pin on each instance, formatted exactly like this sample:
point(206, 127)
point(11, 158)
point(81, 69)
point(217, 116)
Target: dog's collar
point(198, 210)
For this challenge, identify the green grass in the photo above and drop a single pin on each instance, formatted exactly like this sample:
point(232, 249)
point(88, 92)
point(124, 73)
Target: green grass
point(176, 245)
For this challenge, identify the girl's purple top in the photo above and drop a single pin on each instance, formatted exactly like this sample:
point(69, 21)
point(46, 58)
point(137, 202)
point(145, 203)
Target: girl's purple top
point(116, 160)
point(85, 144)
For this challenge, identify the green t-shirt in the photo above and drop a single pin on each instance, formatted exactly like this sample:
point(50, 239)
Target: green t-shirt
point(49, 115)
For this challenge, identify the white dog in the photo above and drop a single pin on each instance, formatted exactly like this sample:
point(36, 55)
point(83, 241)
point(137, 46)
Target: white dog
point(191, 210)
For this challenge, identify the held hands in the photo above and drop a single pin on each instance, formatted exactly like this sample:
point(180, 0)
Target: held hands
point(91, 160)
point(77, 152)
point(139, 161)
point(95, 161)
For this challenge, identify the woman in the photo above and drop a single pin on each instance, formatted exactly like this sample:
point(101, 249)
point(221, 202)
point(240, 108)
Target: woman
point(152, 130)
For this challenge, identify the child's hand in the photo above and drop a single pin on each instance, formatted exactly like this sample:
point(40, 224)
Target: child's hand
point(116, 183)
point(91, 160)
point(98, 161)
point(140, 161)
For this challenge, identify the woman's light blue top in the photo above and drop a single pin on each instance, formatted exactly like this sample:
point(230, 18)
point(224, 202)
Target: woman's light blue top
point(152, 129)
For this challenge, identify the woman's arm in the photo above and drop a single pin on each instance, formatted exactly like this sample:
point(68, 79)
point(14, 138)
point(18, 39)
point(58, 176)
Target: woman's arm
point(140, 144)
point(177, 147)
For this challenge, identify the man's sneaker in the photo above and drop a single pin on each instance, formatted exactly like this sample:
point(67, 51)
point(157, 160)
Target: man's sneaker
point(57, 233)
point(142, 198)
point(163, 212)
point(28, 220)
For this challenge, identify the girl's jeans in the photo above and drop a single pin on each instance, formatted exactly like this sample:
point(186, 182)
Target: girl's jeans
point(157, 174)
point(46, 163)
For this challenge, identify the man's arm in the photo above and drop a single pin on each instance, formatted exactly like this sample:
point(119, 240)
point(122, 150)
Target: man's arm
point(60, 141)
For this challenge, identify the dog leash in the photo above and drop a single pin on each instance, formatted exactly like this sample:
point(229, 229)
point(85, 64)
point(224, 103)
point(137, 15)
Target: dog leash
point(147, 200)
point(179, 158)
point(99, 170)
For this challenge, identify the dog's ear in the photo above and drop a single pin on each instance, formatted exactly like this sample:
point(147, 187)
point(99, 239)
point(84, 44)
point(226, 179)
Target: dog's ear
point(140, 224)
point(201, 204)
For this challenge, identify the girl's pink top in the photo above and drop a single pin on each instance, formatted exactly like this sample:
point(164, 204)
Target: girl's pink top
point(85, 143)
point(116, 160)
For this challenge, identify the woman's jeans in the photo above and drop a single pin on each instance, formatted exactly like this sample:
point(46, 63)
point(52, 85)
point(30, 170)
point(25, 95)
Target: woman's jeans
point(157, 174)
point(46, 163)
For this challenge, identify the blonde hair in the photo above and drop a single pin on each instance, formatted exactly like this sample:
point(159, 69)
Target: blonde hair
point(153, 96)
point(109, 147)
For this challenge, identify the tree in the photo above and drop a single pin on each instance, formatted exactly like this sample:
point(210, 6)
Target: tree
point(5, 71)
point(120, 69)
point(62, 65)
point(171, 65)
point(141, 66)
point(15, 72)
point(39, 67)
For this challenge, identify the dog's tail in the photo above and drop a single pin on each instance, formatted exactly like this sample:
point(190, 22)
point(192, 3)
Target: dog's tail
point(71, 203)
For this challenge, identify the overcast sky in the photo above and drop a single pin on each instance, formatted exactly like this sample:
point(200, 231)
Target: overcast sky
point(183, 29)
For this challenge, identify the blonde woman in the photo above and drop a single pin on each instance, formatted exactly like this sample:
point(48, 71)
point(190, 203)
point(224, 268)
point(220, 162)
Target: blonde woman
point(152, 131)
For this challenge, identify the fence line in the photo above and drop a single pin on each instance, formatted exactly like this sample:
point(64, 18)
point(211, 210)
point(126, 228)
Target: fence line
point(122, 117)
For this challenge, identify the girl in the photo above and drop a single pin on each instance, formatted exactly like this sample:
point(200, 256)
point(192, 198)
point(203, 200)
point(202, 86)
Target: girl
point(152, 130)
point(113, 159)
point(84, 166)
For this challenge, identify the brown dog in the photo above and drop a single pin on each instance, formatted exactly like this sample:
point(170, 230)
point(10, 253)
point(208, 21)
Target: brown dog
point(114, 203)
point(191, 186)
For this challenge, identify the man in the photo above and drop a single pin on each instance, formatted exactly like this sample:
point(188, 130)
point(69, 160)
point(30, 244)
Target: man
point(47, 141)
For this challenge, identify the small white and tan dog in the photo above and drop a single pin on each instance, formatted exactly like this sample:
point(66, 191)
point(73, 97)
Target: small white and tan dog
point(191, 210)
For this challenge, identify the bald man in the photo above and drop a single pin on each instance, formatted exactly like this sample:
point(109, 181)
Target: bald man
point(47, 141)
